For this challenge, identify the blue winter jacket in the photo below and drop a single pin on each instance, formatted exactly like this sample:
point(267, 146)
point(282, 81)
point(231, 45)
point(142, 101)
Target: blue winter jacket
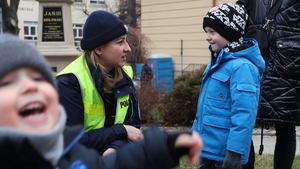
point(228, 101)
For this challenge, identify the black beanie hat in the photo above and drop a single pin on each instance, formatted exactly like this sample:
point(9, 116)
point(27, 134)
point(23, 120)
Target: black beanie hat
point(100, 28)
point(16, 53)
point(228, 19)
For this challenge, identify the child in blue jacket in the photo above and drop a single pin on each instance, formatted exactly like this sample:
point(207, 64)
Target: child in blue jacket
point(229, 94)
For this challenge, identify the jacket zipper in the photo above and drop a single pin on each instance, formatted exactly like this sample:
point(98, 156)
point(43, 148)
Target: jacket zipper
point(131, 102)
point(268, 21)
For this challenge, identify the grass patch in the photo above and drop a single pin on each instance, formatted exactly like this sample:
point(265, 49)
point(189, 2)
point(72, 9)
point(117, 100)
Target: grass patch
point(264, 161)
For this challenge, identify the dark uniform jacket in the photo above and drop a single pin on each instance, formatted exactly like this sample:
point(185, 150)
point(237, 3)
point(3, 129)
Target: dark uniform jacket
point(146, 75)
point(280, 86)
point(110, 135)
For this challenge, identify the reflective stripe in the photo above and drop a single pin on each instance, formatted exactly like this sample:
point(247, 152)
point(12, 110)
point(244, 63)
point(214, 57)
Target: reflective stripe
point(94, 109)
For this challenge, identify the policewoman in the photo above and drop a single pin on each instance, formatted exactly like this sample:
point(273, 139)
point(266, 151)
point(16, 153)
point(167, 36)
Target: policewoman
point(97, 90)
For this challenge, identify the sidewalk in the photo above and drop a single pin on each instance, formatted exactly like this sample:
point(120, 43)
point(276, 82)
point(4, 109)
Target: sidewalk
point(269, 138)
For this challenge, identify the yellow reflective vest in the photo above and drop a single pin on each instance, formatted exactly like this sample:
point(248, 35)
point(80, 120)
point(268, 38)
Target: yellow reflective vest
point(94, 111)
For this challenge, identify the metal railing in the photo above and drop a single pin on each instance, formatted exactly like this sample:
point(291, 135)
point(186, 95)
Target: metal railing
point(191, 68)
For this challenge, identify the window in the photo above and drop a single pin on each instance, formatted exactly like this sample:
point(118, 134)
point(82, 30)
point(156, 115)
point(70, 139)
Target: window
point(78, 1)
point(78, 33)
point(30, 31)
point(97, 2)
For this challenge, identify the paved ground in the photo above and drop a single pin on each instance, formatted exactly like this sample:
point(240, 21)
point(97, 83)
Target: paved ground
point(268, 139)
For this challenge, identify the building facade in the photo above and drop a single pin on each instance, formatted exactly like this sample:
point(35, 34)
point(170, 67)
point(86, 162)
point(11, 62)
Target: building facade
point(175, 28)
point(29, 14)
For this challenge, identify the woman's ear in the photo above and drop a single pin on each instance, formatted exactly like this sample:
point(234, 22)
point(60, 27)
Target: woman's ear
point(98, 51)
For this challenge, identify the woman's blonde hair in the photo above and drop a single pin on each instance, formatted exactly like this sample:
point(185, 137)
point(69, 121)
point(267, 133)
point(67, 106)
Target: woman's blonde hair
point(110, 80)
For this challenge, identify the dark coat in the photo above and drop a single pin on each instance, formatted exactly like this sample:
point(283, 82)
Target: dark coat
point(280, 86)
point(77, 156)
point(114, 136)
point(146, 75)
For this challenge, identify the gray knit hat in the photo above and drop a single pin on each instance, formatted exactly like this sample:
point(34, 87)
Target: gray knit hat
point(16, 53)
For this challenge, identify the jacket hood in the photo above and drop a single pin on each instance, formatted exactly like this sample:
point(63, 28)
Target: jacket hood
point(251, 53)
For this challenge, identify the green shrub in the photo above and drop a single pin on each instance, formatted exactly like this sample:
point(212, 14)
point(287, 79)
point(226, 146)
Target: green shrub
point(149, 99)
point(179, 105)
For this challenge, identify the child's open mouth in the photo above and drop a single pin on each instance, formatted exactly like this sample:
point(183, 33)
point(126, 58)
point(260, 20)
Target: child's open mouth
point(33, 111)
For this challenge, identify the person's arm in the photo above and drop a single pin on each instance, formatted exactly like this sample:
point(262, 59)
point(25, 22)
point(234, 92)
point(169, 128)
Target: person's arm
point(70, 97)
point(133, 134)
point(157, 150)
point(150, 74)
point(132, 122)
point(133, 114)
point(100, 139)
point(244, 90)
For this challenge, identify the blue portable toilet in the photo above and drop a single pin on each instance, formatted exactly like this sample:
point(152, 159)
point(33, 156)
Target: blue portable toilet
point(162, 68)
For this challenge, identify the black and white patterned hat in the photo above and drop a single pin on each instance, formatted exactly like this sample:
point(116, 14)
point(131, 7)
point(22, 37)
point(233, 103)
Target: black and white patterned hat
point(228, 19)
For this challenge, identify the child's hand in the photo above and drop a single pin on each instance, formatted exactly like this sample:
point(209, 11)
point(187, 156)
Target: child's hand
point(193, 143)
point(108, 151)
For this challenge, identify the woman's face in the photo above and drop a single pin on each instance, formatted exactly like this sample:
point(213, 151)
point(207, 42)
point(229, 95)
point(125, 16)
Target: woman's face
point(113, 54)
point(28, 101)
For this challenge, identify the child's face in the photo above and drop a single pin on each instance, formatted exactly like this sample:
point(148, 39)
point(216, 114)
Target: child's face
point(27, 101)
point(216, 41)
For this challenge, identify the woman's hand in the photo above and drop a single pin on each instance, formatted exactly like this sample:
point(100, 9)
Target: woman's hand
point(133, 133)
